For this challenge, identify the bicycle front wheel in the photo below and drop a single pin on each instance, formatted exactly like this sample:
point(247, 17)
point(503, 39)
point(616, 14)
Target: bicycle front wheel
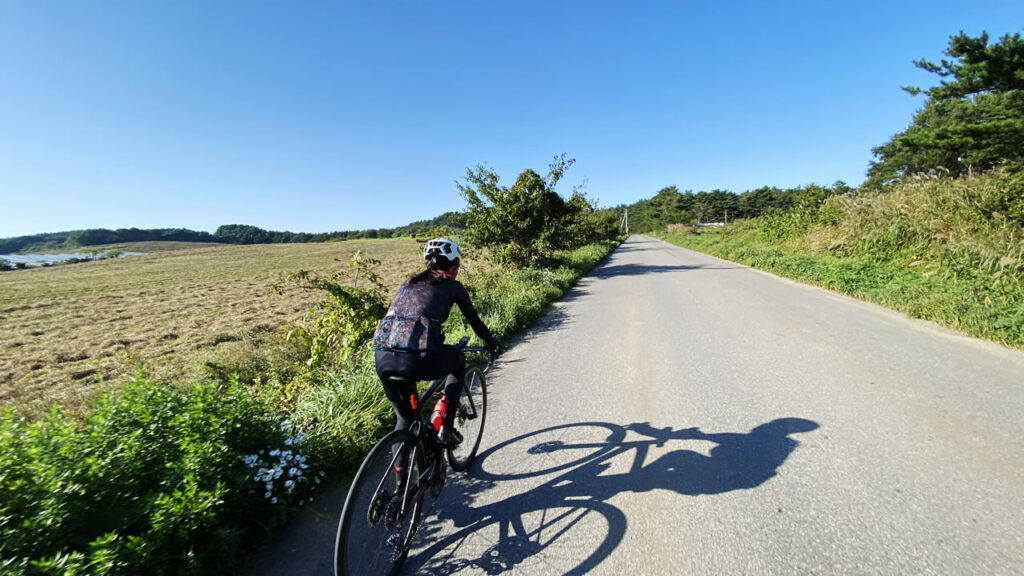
point(470, 415)
point(382, 509)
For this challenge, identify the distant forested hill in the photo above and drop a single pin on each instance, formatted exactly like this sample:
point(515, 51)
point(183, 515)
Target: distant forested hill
point(227, 234)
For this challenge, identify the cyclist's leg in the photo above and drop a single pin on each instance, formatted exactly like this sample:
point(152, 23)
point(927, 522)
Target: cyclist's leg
point(398, 394)
point(398, 364)
point(452, 361)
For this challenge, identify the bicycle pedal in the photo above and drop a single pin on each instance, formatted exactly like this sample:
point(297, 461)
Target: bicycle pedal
point(449, 437)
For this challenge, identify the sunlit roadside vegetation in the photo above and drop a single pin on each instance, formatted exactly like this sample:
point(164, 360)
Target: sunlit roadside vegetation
point(180, 477)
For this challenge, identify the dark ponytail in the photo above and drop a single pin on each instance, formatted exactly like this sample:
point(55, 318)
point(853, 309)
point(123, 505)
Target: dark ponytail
point(430, 275)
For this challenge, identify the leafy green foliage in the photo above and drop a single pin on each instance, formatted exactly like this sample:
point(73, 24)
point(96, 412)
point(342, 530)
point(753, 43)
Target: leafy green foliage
point(528, 222)
point(153, 481)
point(339, 326)
point(977, 67)
point(971, 122)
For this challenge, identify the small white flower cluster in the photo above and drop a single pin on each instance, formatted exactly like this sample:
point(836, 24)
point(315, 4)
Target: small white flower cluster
point(282, 471)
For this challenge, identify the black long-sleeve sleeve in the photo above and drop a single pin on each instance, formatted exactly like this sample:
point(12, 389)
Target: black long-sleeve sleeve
point(469, 312)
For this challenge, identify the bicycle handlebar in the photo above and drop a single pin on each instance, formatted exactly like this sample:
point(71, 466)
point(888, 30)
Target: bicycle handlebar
point(464, 346)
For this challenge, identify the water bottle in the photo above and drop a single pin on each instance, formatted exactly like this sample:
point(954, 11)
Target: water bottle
point(438, 416)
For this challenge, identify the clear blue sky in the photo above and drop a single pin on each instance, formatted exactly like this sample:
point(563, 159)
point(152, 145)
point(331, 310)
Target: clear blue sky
point(321, 116)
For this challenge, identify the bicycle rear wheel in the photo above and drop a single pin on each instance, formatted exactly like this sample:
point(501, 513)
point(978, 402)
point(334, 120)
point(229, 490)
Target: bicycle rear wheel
point(470, 414)
point(382, 509)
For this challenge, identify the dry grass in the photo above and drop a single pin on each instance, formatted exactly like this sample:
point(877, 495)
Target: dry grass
point(64, 330)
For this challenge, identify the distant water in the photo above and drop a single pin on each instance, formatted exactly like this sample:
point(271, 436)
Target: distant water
point(41, 259)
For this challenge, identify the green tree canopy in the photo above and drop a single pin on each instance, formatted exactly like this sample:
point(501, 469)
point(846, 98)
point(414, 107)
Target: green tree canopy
point(972, 121)
point(528, 221)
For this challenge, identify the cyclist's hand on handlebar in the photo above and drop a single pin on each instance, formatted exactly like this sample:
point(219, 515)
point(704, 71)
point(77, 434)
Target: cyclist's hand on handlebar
point(494, 348)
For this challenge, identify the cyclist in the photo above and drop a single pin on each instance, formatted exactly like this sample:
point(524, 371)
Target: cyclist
point(409, 342)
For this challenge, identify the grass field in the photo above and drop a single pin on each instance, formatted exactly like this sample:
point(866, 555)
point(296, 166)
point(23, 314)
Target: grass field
point(64, 330)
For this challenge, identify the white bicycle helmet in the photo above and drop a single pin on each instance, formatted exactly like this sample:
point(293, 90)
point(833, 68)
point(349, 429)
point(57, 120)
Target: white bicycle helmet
point(442, 253)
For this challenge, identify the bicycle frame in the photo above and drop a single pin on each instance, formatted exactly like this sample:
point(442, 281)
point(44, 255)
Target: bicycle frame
point(436, 384)
point(418, 426)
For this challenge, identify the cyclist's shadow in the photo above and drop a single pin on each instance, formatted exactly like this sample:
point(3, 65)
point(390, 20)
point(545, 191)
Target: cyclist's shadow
point(737, 462)
point(572, 502)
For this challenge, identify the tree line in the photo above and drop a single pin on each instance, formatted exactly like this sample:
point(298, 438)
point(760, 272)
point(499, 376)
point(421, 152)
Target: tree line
point(226, 234)
point(670, 206)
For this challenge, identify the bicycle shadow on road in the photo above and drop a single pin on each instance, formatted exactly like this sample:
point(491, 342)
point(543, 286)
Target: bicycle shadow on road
point(565, 524)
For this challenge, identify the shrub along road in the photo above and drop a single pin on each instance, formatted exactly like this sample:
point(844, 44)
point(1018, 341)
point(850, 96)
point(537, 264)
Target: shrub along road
point(676, 413)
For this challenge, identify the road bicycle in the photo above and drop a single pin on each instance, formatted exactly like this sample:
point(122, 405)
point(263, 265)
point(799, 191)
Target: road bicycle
point(383, 507)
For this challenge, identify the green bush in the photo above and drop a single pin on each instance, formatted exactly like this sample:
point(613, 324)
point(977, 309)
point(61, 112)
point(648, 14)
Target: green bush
point(528, 222)
point(154, 481)
point(339, 325)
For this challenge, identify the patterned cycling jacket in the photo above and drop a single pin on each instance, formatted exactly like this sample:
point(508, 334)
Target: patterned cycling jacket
point(414, 320)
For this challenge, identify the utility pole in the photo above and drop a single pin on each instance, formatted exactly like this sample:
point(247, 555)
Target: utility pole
point(624, 223)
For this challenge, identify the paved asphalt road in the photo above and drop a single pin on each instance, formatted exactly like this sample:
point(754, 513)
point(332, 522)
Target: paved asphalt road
point(679, 414)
